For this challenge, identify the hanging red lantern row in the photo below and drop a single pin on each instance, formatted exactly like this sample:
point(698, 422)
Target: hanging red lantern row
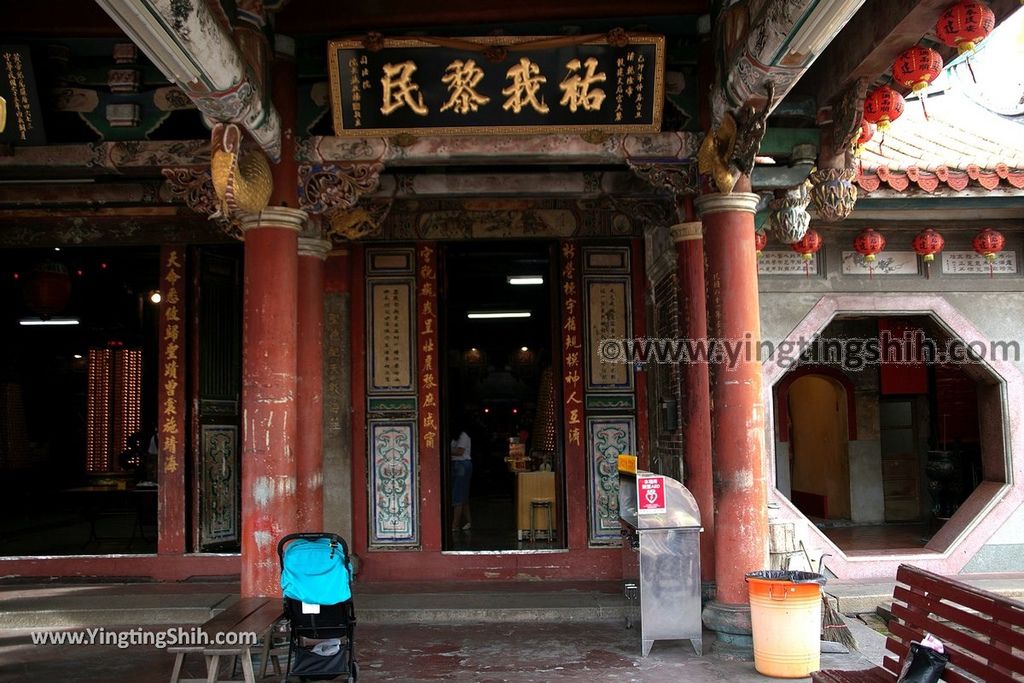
point(927, 244)
point(965, 24)
point(883, 106)
point(807, 247)
point(989, 243)
point(916, 68)
point(760, 242)
point(868, 244)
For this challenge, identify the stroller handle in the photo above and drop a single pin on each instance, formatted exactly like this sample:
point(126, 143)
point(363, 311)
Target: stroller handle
point(311, 536)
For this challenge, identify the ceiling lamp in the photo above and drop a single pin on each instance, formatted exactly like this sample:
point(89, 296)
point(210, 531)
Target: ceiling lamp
point(33, 322)
point(494, 315)
point(525, 279)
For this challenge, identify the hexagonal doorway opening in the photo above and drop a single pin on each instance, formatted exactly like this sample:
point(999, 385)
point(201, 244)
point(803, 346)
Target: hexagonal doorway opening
point(886, 428)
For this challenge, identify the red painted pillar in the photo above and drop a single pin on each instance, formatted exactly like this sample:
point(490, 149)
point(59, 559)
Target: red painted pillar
point(741, 531)
point(693, 325)
point(269, 369)
point(309, 455)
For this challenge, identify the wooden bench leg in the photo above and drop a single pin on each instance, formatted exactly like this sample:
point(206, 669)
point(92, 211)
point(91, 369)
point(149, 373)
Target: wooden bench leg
point(212, 668)
point(179, 659)
point(247, 671)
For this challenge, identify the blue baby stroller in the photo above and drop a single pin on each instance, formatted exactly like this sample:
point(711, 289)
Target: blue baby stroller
point(316, 581)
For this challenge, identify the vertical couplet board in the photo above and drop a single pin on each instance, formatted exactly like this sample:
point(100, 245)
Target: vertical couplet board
point(572, 386)
point(610, 386)
point(171, 403)
point(429, 395)
point(391, 388)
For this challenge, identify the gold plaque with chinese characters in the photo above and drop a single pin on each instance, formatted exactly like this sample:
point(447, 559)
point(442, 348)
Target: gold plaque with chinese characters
point(413, 86)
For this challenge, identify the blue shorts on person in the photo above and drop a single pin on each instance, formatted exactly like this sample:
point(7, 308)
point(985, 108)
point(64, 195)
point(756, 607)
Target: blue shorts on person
point(462, 472)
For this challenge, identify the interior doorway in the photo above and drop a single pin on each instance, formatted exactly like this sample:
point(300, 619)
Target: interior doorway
point(496, 314)
point(819, 457)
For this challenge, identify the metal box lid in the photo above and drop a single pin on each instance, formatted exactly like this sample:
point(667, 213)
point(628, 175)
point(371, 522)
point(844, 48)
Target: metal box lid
point(681, 510)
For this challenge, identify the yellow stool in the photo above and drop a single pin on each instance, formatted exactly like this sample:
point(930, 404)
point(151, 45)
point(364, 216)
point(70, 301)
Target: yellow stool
point(545, 504)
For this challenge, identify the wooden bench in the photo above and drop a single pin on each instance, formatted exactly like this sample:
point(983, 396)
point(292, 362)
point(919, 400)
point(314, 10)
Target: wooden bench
point(983, 633)
point(248, 615)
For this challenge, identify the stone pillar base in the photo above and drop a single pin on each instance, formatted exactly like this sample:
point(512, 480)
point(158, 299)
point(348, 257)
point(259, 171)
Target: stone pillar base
point(731, 624)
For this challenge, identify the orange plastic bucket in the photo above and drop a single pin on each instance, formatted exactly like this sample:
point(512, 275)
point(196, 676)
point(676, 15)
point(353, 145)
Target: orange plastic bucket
point(785, 614)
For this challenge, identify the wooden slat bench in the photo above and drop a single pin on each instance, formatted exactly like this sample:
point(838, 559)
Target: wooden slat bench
point(983, 633)
point(248, 615)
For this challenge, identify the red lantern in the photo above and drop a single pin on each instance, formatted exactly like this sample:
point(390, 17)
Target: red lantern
point(867, 244)
point(883, 106)
point(965, 24)
point(867, 131)
point(48, 289)
point(917, 67)
point(760, 241)
point(989, 243)
point(807, 247)
point(927, 244)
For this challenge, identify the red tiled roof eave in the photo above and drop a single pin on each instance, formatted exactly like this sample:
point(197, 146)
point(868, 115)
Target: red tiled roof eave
point(929, 181)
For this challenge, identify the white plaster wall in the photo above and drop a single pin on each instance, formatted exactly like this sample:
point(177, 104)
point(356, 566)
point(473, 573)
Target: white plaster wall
point(1012, 531)
point(867, 503)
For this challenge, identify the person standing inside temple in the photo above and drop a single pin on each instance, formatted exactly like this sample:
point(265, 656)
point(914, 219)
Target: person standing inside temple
point(462, 473)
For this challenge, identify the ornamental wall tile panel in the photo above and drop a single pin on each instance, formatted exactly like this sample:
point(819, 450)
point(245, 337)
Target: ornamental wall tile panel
point(607, 439)
point(394, 513)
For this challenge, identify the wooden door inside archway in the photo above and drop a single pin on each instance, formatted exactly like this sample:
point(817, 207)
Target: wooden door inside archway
point(819, 458)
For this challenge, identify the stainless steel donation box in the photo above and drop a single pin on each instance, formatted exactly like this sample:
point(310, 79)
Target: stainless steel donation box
point(661, 557)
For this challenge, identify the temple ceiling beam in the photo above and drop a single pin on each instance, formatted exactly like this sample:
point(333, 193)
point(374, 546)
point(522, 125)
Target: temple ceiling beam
point(872, 41)
point(192, 48)
point(763, 56)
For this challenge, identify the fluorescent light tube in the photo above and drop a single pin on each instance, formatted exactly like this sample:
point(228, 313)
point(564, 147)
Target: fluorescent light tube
point(48, 321)
point(525, 280)
point(490, 315)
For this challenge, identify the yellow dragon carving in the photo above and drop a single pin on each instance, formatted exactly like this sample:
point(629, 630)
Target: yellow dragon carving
point(243, 183)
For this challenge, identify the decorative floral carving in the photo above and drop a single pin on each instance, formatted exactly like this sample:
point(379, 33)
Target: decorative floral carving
point(358, 222)
point(833, 193)
point(680, 179)
point(789, 219)
point(323, 187)
point(194, 187)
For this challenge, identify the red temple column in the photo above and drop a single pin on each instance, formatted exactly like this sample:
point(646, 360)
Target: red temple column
point(693, 325)
point(309, 455)
point(741, 531)
point(269, 379)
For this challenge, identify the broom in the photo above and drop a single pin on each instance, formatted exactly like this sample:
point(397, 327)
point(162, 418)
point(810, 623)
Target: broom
point(833, 628)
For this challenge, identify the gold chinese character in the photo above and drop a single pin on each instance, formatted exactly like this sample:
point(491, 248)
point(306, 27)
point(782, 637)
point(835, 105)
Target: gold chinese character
point(577, 92)
point(399, 89)
point(526, 81)
point(462, 79)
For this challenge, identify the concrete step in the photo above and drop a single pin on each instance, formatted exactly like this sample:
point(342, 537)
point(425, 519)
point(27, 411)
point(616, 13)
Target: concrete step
point(113, 605)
